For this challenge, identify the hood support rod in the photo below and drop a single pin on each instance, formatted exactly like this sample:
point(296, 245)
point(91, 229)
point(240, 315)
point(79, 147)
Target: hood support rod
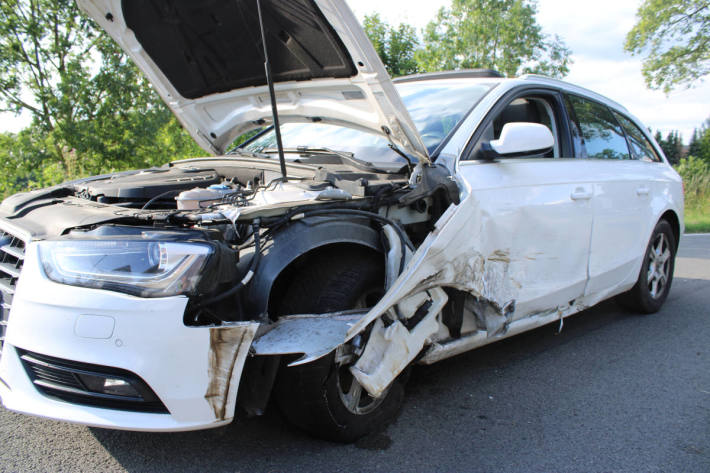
point(272, 94)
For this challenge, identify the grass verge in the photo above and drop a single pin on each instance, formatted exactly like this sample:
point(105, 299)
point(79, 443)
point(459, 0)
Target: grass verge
point(697, 219)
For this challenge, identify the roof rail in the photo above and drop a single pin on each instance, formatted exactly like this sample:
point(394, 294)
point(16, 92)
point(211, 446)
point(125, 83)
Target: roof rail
point(569, 85)
point(462, 74)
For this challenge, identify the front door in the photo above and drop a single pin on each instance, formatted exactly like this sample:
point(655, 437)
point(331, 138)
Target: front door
point(536, 215)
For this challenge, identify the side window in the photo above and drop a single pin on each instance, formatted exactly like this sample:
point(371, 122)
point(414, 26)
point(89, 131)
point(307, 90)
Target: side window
point(641, 148)
point(601, 136)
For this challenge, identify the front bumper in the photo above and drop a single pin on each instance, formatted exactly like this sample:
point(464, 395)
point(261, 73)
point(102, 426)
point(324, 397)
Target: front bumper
point(194, 371)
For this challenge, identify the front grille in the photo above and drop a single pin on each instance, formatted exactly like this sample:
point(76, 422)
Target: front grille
point(64, 380)
point(12, 255)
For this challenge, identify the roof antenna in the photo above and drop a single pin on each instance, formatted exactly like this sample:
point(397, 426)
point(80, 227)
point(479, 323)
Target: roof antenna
point(270, 82)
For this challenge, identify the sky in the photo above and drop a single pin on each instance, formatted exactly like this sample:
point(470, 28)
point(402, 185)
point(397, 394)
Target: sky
point(595, 33)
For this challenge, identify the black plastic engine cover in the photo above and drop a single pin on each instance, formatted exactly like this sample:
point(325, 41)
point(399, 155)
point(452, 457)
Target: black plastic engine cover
point(149, 183)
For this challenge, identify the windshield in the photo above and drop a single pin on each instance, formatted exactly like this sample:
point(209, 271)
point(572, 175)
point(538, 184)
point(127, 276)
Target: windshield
point(436, 106)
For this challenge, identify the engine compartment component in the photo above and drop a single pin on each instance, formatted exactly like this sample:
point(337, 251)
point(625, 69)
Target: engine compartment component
point(199, 198)
point(136, 187)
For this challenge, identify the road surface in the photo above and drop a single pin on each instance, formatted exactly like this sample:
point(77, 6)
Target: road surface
point(612, 392)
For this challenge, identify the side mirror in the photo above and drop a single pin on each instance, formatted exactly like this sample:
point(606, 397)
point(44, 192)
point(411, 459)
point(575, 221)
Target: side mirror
point(521, 138)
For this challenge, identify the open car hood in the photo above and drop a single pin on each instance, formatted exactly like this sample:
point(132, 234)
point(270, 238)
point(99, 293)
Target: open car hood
point(205, 59)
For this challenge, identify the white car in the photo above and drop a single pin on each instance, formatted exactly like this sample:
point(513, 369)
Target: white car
point(409, 221)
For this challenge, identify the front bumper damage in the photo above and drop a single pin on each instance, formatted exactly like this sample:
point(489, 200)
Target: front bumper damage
point(194, 371)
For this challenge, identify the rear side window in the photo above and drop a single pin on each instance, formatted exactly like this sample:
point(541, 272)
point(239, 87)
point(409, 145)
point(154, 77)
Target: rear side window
point(640, 146)
point(599, 134)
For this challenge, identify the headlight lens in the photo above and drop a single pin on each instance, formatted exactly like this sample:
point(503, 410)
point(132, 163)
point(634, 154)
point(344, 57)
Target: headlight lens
point(142, 268)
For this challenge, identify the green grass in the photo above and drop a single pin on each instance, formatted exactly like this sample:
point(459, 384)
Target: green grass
point(697, 218)
point(696, 180)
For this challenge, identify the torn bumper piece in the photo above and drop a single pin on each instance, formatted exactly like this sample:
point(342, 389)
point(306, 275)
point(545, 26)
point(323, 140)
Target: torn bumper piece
point(390, 349)
point(314, 336)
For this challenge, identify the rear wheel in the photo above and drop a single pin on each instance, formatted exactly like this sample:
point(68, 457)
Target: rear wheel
point(654, 281)
point(322, 397)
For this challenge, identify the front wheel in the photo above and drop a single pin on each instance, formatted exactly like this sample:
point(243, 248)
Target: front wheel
point(654, 281)
point(322, 397)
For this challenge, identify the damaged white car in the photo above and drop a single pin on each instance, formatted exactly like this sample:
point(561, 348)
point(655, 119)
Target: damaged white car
point(379, 224)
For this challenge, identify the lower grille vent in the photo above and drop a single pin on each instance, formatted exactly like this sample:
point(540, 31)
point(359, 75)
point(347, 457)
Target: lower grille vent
point(93, 385)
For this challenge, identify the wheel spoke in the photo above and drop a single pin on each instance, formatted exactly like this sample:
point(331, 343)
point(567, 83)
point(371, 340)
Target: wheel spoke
point(652, 255)
point(654, 286)
point(353, 396)
point(659, 246)
point(665, 256)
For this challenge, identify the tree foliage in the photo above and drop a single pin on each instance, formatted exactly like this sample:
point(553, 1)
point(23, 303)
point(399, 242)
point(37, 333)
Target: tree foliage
point(675, 36)
point(395, 46)
point(499, 34)
point(700, 142)
point(672, 145)
point(92, 110)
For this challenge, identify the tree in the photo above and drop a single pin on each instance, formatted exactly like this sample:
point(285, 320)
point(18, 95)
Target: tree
point(695, 146)
point(675, 35)
point(700, 143)
point(499, 34)
point(672, 145)
point(92, 110)
point(395, 46)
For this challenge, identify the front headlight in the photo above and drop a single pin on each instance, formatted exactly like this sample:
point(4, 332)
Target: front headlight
point(141, 268)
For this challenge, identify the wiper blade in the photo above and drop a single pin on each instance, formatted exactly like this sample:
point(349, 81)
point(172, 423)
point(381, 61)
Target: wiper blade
point(343, 155)
point(243, 152)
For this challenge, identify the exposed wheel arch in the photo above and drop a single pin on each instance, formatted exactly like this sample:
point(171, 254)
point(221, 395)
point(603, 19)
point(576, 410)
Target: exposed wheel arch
point(304, 239)
point(282, 282)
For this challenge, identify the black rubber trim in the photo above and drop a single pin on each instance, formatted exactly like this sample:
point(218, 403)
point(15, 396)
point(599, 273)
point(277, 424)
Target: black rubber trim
point(465, 74)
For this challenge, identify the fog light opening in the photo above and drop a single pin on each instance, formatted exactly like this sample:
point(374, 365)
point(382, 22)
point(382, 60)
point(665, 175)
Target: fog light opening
point(111, 386)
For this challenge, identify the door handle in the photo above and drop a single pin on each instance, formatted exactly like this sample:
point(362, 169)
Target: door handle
point(581, 194)
point(641, 191)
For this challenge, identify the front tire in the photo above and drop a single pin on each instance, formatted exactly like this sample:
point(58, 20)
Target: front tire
point(322, 397)
point(654, 281)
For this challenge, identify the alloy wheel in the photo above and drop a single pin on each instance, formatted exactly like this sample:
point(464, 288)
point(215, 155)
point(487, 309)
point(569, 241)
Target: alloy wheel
point(659, 263)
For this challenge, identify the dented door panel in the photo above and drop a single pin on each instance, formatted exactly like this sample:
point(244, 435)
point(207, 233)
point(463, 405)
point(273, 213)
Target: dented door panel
point(533, 225)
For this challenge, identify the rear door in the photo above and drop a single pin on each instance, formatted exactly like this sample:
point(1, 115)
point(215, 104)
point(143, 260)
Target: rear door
point(621, 195)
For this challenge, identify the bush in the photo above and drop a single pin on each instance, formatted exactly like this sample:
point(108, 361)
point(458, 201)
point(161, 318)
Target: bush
point(696, 179)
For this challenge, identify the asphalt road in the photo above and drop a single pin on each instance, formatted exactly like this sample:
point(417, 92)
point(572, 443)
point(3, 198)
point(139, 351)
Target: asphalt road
point(612, 392)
